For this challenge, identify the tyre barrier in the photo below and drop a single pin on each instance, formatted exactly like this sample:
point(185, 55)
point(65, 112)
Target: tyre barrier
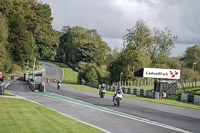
point(140, 92)
point(189, 98)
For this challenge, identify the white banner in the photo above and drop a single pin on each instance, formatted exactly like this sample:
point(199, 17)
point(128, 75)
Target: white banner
point(161, 73)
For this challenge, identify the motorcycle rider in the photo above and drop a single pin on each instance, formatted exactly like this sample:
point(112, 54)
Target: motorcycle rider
point(47, 79)
point(118, 90)
point(54, 80)
point(102, 88)
point(59, 84)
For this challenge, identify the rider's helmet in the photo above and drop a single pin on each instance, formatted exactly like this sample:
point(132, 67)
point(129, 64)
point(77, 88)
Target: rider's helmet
point(118, 89)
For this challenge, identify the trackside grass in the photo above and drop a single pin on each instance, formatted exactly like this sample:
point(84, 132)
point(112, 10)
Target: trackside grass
point(22, 116)
point(42, 68)
point(70, 76)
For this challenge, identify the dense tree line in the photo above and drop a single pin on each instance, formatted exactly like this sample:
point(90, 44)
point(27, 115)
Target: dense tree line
point(26, 33)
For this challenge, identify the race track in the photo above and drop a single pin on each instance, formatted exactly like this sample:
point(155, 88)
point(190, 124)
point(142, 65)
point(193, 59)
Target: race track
point(131, 116)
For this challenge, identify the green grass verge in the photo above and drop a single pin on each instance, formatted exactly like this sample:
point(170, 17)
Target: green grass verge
point(8, 94)
point(70, 76)
point(22, 116)
point(42, 68)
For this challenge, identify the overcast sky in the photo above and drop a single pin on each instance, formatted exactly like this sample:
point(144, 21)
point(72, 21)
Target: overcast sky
point(111, 18)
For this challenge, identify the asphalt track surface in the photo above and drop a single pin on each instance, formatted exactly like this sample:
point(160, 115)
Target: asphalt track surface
point(153, 118)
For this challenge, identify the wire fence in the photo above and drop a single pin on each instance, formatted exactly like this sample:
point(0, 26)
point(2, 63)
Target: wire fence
point(149, 84)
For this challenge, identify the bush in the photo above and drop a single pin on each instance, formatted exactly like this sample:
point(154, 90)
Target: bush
point(91, 76)
point(173, 97)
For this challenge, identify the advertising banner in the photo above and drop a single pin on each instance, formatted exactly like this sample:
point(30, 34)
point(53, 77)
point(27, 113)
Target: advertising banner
point(161, 73)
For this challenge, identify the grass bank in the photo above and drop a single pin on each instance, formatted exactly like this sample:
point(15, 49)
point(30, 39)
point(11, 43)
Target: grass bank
point(22, 116)
point(87, 88)
point(70, 76)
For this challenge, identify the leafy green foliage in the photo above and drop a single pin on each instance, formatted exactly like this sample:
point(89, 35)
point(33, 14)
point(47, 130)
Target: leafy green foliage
point(26, 33)
point(191, 57)
point(79, 44)
point(92, 76)
point(5, 61)
point(143, 47)
point(100, 73)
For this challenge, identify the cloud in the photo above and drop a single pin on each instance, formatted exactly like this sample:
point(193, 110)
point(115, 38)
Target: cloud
point(112, 18)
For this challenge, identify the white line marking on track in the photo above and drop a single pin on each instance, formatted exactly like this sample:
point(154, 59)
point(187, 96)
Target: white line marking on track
point(123, 114)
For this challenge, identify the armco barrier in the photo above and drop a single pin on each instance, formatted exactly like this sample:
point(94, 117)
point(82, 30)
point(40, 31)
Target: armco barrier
point(95, 85)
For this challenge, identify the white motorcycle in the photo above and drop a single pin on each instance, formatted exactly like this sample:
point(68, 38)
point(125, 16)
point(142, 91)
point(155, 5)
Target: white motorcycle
point(117, 99)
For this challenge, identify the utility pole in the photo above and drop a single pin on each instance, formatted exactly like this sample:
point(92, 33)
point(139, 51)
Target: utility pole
point(193, 74)
point(121, 78)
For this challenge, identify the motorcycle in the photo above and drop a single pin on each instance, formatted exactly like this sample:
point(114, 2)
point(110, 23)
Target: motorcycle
point(102, 93)
point(59, 85)
point(117, 99)
point(47, 80)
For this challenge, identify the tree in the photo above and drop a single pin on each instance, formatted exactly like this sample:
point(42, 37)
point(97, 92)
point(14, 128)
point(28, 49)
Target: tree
point(20, 39)
point(79, 44)
point(142, 47)
point(191, 56)
point(5, 61)
point(91, 75)
point(162, 44)
point(138, 38)
point(38, 18)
